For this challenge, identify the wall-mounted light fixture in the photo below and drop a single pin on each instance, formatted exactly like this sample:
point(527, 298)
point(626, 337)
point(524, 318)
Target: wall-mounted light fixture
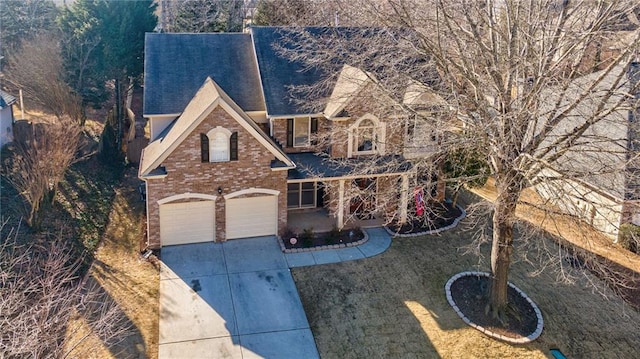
point(219, 190)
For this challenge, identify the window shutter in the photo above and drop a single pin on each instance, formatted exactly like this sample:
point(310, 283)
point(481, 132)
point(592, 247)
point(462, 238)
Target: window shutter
point(204, 147)
point(289, 132)
point(314, 130)
point(233, 147)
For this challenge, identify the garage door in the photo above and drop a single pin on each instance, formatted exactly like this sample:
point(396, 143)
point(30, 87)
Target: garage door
point(251, 217)
point(187, 222)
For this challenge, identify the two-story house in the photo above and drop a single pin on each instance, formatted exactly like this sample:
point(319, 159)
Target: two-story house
point(232, 153)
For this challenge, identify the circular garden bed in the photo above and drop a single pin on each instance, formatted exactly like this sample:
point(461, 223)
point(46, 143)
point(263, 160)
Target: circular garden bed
point(467, 293)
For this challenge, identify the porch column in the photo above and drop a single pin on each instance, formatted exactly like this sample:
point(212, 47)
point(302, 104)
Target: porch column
point(340, 208)
point(404, 203)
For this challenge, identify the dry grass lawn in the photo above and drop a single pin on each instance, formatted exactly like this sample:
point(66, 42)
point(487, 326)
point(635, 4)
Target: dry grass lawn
point(568, 228)
point(393, 306)
point(130, 281)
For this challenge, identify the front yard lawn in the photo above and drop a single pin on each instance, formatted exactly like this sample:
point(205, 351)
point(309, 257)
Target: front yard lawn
point(393, 306)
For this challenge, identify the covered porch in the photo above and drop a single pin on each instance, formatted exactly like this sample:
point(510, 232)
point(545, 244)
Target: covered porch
point(323, 194)
point(319, 220)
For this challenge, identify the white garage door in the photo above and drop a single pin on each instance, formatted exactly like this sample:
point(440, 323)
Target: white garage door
point(187, 222)
point(251, 217)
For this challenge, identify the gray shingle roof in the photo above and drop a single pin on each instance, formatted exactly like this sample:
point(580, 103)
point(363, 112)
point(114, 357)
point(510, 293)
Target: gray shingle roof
point(6, 100)
point(313, 166)
point(176, 65)
point(279, 74)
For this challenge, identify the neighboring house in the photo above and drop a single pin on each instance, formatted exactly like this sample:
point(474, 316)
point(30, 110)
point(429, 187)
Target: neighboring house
point(231, 153)
point(6, 118)
point(604, 188)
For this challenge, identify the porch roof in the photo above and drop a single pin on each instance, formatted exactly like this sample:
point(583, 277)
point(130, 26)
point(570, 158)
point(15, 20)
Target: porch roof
point(316, 166)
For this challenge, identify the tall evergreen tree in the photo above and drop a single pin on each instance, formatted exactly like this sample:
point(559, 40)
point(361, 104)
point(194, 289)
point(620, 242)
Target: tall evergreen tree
point(104, 40)
point(206, 16)
point(23, 20)
point(82, 49)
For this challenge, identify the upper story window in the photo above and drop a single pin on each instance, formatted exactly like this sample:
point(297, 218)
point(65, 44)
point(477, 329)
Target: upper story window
point(366, 136)
point(219, 145)
point(300, 130)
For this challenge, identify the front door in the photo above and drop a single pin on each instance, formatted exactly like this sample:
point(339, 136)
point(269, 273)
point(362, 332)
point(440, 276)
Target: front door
point(363, 202)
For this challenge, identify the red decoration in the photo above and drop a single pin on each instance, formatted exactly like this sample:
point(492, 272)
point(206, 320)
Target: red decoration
point(419, 201)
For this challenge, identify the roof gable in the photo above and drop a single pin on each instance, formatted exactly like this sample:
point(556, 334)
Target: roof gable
point(208, 97)
point(350, 81)
point(176, 65)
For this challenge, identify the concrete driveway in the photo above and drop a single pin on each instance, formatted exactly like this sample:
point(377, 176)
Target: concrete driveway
point(235, 299)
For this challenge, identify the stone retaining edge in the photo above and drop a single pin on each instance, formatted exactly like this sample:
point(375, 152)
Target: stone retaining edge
point(521, 340)
point(322, 248)
point(433, 231)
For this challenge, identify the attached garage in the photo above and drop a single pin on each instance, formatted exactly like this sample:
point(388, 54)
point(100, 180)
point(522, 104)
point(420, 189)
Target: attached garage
point(187, 222)
point(251, 216)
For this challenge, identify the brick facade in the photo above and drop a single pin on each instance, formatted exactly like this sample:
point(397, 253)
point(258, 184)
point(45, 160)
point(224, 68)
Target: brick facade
point(340, 138)
point(280, 135)
point(186, 173)
point(368, 101)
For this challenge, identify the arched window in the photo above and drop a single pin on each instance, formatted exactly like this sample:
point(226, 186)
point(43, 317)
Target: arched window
point(366, 136)
point(219, 145)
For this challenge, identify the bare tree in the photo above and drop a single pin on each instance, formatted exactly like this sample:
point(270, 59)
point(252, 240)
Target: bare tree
point(37, 69)
point(518, 80)
point(44, 302)
point(44, 149)
point(42, 153)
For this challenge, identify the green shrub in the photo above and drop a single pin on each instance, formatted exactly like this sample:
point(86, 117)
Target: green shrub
point(629, 237)
point(307, 237)
point(333, 236)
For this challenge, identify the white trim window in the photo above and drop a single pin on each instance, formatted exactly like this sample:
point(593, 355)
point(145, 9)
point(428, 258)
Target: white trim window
point(301, 195)
point(366, 137)
point(219, 144)
point(301, 131)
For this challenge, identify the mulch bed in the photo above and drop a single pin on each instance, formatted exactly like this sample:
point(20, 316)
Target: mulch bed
point(437, 215)
point(308, 240)
point(470, 293)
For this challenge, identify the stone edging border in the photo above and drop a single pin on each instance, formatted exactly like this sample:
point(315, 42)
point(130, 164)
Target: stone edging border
point(322, 248)
point(522, 340)
point(433, 231)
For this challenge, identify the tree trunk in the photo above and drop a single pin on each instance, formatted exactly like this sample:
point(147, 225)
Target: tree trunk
point(509, 189)
point(455, 195)
point(441, 185)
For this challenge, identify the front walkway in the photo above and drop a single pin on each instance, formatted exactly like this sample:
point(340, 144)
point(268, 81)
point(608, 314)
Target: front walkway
point(237, 299)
